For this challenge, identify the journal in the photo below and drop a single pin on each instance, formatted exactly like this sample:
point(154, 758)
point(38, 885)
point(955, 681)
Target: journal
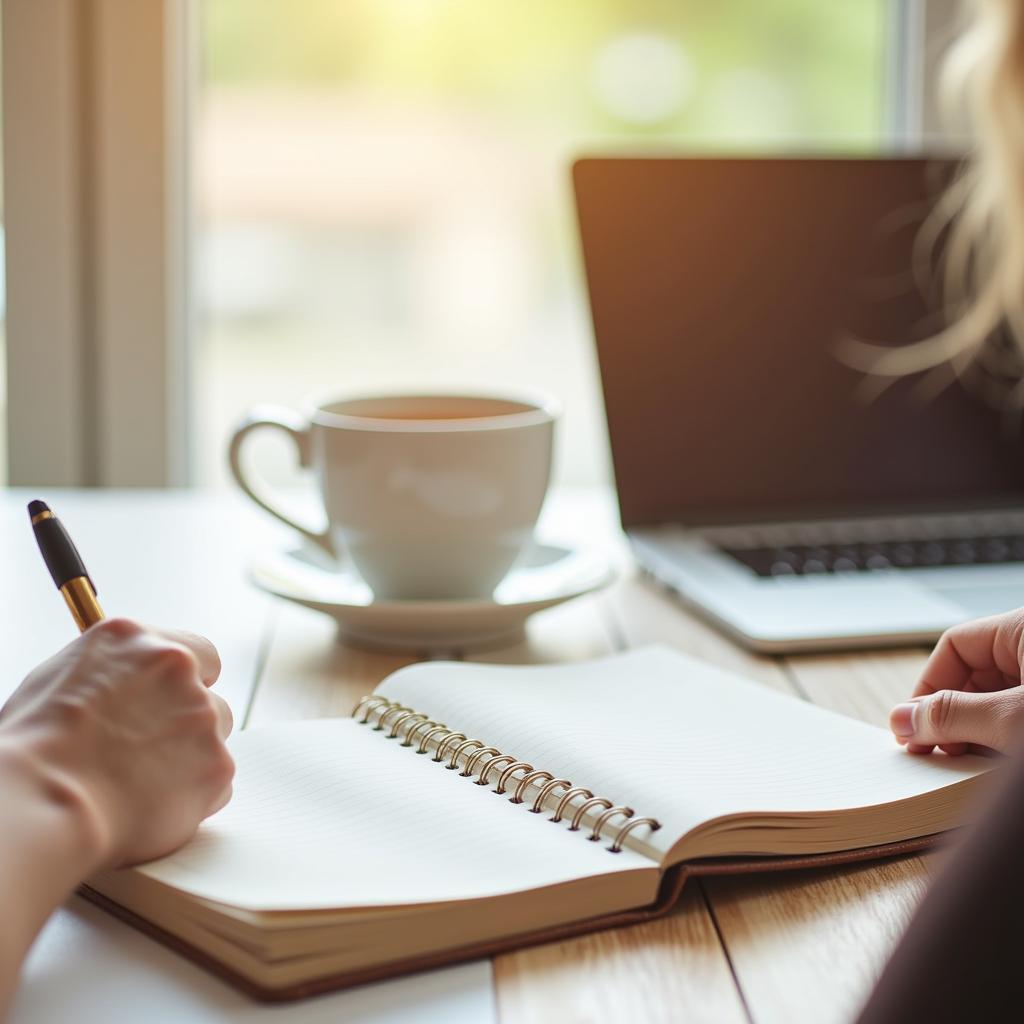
point(463, 810)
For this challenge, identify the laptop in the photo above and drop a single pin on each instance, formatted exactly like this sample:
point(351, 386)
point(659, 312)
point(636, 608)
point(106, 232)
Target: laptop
point(783, 494)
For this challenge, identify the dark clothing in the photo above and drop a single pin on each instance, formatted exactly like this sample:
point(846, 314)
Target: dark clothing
point(962, 958)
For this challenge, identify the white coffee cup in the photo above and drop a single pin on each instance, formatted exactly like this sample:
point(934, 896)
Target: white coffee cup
point(431, 496)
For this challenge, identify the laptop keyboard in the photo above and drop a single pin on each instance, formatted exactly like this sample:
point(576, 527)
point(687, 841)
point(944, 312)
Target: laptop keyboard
point(809, 560)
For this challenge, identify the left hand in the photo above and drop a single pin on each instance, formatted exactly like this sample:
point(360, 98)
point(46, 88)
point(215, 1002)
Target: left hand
point(970, 692)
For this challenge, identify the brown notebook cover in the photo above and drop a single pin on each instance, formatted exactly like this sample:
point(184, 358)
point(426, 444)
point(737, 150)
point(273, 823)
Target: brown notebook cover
point(671, 889)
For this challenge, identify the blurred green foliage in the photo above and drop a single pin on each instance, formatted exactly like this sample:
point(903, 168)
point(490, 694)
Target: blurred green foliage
point(532, 61)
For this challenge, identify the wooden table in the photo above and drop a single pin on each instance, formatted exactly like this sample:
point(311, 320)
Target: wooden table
point(790, 948)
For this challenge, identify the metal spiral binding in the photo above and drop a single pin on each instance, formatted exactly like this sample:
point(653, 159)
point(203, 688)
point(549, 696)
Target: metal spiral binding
point(597, 801)
point(471, 761)
point(381, 713)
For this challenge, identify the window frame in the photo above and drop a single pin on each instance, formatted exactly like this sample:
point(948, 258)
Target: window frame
point(96, 95)
point(920, 33)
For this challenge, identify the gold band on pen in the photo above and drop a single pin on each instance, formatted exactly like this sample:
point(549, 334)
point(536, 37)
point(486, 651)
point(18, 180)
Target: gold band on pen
point(81, 600)
point(40, 516)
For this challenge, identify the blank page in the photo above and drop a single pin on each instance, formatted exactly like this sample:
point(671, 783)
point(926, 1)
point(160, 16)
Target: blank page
point(676, 738)
point(330, 814)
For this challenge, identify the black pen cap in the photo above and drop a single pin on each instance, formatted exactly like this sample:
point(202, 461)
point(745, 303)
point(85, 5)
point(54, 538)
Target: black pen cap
point(57, 548)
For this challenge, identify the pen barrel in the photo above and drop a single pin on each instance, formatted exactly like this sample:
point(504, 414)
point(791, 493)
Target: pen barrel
point(81, 601)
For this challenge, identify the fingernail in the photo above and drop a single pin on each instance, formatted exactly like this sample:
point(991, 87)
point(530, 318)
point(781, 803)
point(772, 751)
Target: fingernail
point(902, 720)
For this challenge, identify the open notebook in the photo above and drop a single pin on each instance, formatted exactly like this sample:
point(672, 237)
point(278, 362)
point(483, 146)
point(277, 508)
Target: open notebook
point(566, 798)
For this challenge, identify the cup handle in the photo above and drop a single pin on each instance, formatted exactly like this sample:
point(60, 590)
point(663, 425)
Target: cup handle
point(298, 430)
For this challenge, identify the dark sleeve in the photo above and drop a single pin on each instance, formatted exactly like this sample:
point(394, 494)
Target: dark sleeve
point(962, 957)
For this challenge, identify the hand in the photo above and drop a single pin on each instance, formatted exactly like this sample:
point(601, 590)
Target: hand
point(969, 694)
point(121, 725)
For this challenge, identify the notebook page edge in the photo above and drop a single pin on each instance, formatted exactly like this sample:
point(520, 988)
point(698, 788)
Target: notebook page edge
point(872, 745)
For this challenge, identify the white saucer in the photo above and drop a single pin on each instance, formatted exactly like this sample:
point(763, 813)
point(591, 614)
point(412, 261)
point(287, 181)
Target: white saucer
point(547, 575)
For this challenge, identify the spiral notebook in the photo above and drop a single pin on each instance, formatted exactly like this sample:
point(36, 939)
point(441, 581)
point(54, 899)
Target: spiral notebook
point(467, 809)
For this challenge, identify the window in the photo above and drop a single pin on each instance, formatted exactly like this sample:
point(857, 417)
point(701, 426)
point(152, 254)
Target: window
point(379, 190)
point(382, 185)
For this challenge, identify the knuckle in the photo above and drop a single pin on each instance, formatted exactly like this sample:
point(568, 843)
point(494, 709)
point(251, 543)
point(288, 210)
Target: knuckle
point(223, 798)
point(1011, 621)
point(950, 636)
point(224, 714)
point(202, 651)
point(117, 628)
point(185, 698)
point(71, 712)
point(1009, 718)
point(176, 661)
point(940, 712)
point(205, 719)
point(945, 646)
point(1018, 633)
point(201, 645)
point(1010, 629)
point(221, 767)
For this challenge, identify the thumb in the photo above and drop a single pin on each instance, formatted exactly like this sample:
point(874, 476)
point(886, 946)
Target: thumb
point(952, 716)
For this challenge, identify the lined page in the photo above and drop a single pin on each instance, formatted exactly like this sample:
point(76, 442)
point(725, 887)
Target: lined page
point(675, 738)
point(331, 814)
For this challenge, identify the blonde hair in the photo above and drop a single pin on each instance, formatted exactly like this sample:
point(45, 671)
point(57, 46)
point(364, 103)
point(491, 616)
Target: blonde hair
point(980, 219)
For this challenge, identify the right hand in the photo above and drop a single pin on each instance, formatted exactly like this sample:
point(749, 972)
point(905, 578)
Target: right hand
point(121, 724)
point(970, 692)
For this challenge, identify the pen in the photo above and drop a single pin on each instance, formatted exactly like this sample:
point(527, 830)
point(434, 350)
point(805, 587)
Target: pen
point(65, 565)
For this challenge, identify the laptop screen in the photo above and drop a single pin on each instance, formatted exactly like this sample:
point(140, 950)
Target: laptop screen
point(722, 292)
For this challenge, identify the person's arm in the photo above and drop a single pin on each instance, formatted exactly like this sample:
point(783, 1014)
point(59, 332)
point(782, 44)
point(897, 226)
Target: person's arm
point(969, 694)
point(111, 753)
point(47, 846)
